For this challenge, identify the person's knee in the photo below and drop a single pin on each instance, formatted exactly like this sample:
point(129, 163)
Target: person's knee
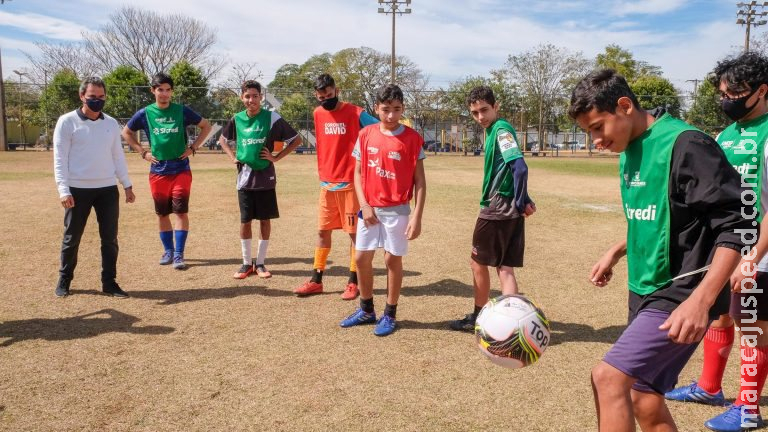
point(605, 377)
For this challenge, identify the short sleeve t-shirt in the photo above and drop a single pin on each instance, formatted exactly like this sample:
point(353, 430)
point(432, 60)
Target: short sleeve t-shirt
point(140, 122)
point(279, 130)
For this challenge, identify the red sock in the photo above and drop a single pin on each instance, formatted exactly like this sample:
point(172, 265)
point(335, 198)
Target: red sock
point(717, 346)
point(754, 367)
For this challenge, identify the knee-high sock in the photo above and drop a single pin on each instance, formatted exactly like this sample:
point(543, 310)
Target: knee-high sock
point(754, 367)
point(717, 347)
point(181, 241)
point(263, 244)
point(245, 246)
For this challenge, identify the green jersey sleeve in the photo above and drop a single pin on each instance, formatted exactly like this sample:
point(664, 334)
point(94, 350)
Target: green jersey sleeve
point(508, 146)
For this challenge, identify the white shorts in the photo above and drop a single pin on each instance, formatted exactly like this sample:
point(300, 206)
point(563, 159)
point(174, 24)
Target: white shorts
point(389, 234)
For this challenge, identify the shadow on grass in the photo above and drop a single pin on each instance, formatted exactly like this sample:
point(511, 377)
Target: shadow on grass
point(77, 327)
point(236, 261)
point(171, 297)
point(571, 332)
point(330, 271)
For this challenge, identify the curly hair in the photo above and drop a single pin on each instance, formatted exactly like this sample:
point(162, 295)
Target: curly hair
point(741, 73)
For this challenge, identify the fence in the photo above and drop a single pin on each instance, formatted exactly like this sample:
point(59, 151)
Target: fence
point(32, 110)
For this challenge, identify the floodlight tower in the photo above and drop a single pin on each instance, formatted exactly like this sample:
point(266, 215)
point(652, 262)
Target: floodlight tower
point(748, 16)
point(394, 7)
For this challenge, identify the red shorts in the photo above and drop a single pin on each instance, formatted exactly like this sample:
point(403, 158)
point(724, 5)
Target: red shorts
point(171, 192)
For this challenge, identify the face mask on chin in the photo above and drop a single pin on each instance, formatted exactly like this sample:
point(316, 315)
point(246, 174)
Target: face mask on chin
point(737, 109)
point(330, 103)
point(95, 104)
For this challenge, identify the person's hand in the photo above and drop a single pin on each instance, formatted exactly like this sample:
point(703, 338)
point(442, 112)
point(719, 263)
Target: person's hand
point(688, 323)
point(129, 195)
point(530, 209)
point(68, 201)
point(148, 156)
point(187, 153)
point(602, 271)
point(369, 216)
point(414, 228)
point(267, 155)
point(738, 276)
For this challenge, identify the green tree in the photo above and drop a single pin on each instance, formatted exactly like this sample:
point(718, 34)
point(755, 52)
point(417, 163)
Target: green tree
point(705, 112)
point(624, 62)
point(656, 91)
point(297, 111)
point(190, 87)
point(126, 91)
point(21, 105)
point(60, 96)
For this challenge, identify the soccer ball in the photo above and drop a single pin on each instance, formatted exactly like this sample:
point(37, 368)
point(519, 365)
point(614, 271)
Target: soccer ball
point(512, 331)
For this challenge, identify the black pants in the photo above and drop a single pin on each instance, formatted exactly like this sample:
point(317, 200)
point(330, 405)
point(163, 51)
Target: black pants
point(106, 202)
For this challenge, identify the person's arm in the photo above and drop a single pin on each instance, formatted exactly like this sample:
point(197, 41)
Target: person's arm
point(121, 168)
point(281, 131)
point(369, 216)
point(62, 143)
point(205, 129)
point(293, 143)
point(602, 271)
point(747, 266)
point(703, 180)
point(525, 206)
point(420, 194)
point(367, 119)
point(129, 135)
point(228, 135)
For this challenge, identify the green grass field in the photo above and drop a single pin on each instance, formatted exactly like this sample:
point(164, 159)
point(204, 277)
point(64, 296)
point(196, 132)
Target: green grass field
point(198, 350)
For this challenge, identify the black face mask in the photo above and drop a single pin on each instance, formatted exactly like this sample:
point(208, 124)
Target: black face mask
point(95, 104)
point(737, 109)
point(330, 103)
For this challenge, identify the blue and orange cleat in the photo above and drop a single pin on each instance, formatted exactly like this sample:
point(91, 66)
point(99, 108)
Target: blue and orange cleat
point(358, 317)
point(694, 393)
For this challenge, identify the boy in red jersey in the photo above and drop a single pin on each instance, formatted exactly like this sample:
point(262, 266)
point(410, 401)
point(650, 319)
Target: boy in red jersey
point(388, 173)
point(336, 127)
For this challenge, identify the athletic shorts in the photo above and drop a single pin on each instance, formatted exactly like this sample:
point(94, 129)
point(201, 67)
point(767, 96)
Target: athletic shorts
point(257, 204)
point(389, 234)
point(745, 308)
point(171, 192)
point(648, 354)
point(497, 243)
point(338, 210)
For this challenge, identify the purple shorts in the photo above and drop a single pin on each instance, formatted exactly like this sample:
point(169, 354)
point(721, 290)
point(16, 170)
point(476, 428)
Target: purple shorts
point(745, 308)
point(648, 354)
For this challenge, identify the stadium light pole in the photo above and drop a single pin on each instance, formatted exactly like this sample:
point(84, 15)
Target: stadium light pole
point(21, 125)
point(747, 16)
point(3, 118)
point(394, 8)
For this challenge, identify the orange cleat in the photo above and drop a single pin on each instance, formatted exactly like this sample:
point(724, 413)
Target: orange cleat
point(309, 288)
point(350, 292)
point(262, 271)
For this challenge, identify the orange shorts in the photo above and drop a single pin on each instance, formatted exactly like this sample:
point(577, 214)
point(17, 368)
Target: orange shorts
point(338, 210)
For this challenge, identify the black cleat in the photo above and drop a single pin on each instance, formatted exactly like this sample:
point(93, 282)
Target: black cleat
point(62, 288)
point(466, 324)
point(114, 290)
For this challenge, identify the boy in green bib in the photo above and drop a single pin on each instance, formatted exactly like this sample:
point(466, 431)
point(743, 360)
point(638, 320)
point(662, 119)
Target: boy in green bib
point(743, 85)
point(254, 132)
point(682, 203)
point(164, 123)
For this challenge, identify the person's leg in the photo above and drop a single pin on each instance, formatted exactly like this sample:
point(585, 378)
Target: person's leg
point(327, 221)
point(481, 281)
point(265, 226)
point(180, 192)
point(651, 412)
point(266, 210)
point(485, 253)
point(511, 235)
point(611, 389)
point(160, 188)
point(107, 206)
point(75, 219)
point(367, 243)
point(508, 280)
point(348, 205)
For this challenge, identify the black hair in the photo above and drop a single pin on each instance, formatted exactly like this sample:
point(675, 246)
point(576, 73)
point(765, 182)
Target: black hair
point(94, 81)
point(481, 93)
point(389, 93)
point(324, 81)
point(747, 71)
point(250, 84)
point(161, 78)
point(600, 90)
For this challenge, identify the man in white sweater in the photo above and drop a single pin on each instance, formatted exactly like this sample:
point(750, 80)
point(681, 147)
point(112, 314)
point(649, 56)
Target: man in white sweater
point(87, 157)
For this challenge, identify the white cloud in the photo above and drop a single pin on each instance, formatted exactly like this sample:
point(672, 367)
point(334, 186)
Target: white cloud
point(42, 25)
point(647, 7)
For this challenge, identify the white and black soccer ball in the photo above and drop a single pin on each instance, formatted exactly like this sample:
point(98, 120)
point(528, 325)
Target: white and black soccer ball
point(512, 331)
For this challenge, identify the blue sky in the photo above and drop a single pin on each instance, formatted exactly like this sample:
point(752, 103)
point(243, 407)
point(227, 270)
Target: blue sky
point(448, 39)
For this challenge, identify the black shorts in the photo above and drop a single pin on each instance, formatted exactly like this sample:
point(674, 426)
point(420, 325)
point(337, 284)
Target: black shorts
point(744, 307)
point(497, 243)
point(259, 204)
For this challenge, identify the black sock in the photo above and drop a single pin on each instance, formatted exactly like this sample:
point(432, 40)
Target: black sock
point(477, 310)
point(366, 305)
point(390, 310)
point(353, 277)
point(317, 276)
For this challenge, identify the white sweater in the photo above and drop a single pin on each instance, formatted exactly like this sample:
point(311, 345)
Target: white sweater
point(88, 153)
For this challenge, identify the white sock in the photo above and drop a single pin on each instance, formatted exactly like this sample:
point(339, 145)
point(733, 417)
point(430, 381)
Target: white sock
point(262, 252)
point(245, 244)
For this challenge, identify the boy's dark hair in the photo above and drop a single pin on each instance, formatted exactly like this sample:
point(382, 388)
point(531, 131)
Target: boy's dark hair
point(161, 78)
point(250, 84)
point(389, 93)
point(601, 90)
point(94, 81)
point(747, 71)
point(324, 81)
point(481, 93)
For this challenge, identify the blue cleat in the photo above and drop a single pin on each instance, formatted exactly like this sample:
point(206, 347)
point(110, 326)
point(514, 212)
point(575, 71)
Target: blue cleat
point(736, 418)
point(178, 262)
point(167, 257)
point(359, 317)
point(694, 393)
point(385, 326)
